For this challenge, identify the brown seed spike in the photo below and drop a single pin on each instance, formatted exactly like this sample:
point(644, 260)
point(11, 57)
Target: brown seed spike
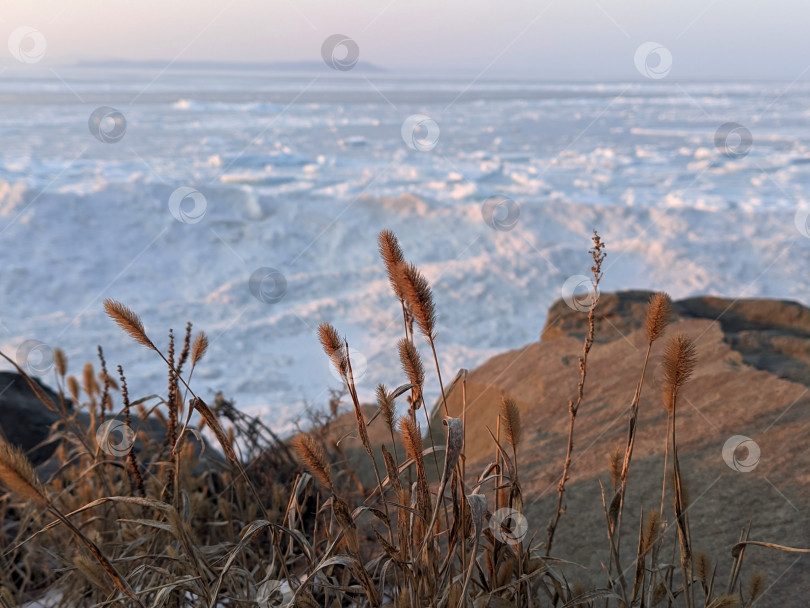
point(650, 535)
point(616, 462)
point(703, 567)
point(725, 601)
point(386, 404)
point(412, 364)
point(333, 346)
point(510, 417)
point(419, 298)
point(755, 586)
point(680, 359)
point(412, 438)
point(60, 361)
point(73, 388)
point(658, 312)
point(392, 256)
point(199, 348)
point(17, 474)
point(313, 457)
point(128, 321)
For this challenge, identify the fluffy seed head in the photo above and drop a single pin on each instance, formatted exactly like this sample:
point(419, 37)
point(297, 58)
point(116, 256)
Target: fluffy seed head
point(313, 457)
point(411, 437)
point(510, 418)
point(650, 534)
point(756, 585)
point(88, 376)
point(60, 361)
point(658, 312)
point(616, 463)
point(392, 256)
point(703, 567)
point(343, 515)
point(199, 348)
point(128, 321)
point(333, 347)
point(419, 298)
point(17, 474)
point(680, 358)
point(73, 388)
point(412, 364)
point(386, 404)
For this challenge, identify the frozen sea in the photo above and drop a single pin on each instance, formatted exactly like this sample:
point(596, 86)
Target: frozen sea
point(298, 172)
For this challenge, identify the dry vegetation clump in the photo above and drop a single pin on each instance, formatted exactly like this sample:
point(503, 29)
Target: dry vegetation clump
point(303, 522)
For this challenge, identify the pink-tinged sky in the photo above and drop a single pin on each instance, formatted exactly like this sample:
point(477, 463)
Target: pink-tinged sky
point(561, 39)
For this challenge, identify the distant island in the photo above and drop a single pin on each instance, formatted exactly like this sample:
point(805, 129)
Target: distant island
point(257, 66)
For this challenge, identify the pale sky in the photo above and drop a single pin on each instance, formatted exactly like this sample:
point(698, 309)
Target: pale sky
point(560, 39)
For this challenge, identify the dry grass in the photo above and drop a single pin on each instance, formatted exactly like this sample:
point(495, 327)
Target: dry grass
point(161, 527)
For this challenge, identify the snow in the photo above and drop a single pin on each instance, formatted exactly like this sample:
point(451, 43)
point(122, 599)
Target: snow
point(303, 186)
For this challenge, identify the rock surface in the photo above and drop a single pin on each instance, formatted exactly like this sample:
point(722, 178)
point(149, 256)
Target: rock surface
point(24, 420)
point(751, 380)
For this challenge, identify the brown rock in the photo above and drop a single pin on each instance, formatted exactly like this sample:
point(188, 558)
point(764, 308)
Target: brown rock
point(752, 380)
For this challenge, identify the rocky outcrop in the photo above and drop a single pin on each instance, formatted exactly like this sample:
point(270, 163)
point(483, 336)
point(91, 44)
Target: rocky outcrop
point(772, 335)
point(752, 380)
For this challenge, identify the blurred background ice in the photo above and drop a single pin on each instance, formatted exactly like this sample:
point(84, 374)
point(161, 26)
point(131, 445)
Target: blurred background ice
point(567, 115)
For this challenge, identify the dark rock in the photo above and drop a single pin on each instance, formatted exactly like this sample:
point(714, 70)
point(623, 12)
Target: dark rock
point(24, 419)
point(154, 431)
point(26, 422)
